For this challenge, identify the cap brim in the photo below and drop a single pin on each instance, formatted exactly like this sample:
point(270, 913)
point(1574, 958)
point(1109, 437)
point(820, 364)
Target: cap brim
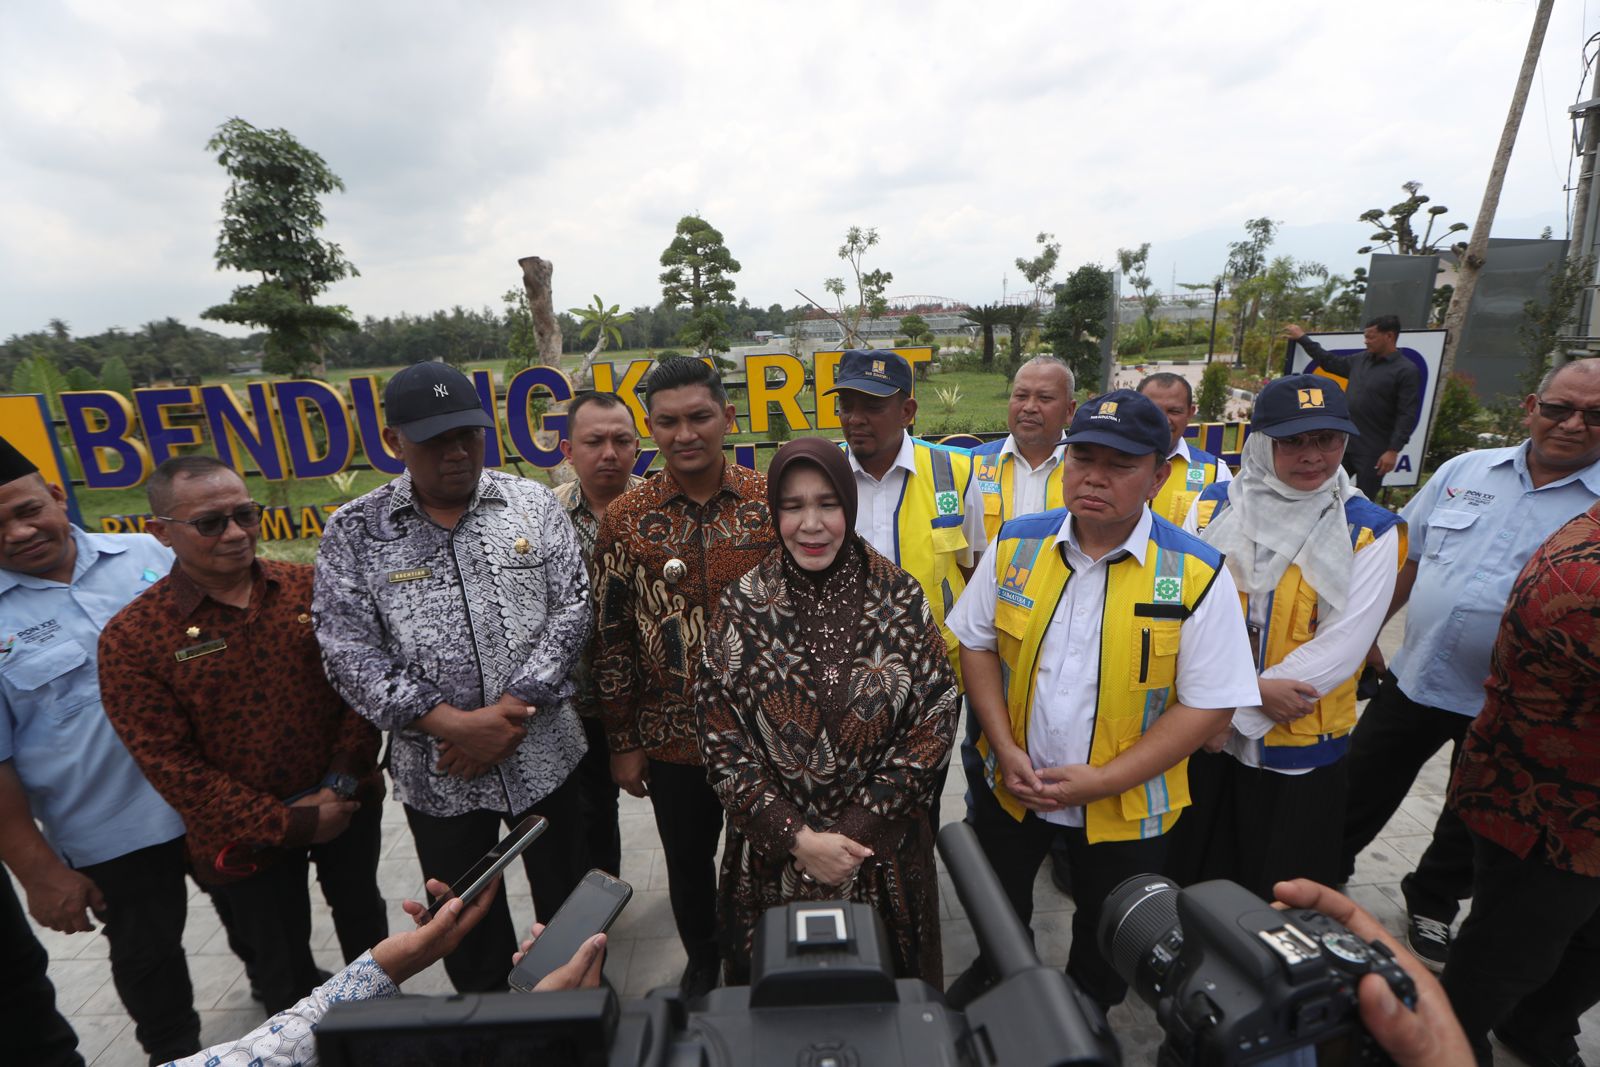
point(864, 385)
point(434, 425)
point(1309, 423)
point(1116, 441)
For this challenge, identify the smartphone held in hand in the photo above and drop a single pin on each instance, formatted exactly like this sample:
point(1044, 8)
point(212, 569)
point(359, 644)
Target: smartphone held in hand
point(590, 910)
point(494, 861)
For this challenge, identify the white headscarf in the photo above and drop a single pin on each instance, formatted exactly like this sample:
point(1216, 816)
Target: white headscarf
point(1268, 525)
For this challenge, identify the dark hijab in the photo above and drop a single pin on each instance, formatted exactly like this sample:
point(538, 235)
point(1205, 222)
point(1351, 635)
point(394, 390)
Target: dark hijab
point(821, 453)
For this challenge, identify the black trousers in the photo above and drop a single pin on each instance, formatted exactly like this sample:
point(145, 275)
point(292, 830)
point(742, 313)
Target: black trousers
point(1394, 737)
point(599, 836)
point(36, 1032)
point(448, 846)
point(270, 911)
point(1359, 465)
point(1258, 827)
point(689, 819)
point(1527, 957)
point(147, 905)
point(1017, 849)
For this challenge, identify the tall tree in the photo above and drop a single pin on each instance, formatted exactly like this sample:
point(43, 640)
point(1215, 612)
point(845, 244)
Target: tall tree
point(1133, 263)
point(1247, 260)
point(699, 273)
point(986, 317)
point(271, 214)
point(1039, 269)
point(605, 323)
point(871, 285)
point(1080, 320)
point(1397, 233)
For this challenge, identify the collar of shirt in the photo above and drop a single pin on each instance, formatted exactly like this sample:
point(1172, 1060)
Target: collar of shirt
point(1010, 449)
point(1136, 544)
point(905, 459)
point(575, 500)
point(1182, 450)
point(401, 496)
point(187, 596)
point(669, 489)
point(1518, 458)
point(89, 550)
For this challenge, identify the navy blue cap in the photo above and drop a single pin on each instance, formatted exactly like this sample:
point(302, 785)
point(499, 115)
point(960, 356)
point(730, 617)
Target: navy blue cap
point(1297, 403)
point(879, 371)
point(428, 399)
point(1122, 419)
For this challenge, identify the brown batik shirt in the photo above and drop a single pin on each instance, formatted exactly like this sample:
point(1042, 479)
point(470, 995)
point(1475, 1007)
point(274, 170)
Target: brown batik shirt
point(587, 526)
point(651, 627)
point(228, 713)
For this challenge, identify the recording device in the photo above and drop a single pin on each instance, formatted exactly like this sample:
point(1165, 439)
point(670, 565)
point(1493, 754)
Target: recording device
point(589, 910)
point(470, 884)
point(822, 993)
point(1236, 981)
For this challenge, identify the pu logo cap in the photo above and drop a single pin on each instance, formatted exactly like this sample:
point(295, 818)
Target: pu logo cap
point(428, 399)
point(878, 372)
point(1301, 402)
point(1310, 398)
point(1124, 420)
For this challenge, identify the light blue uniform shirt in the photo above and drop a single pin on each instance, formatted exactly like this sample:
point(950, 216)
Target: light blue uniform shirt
point(1472, 527)
point(90, 797)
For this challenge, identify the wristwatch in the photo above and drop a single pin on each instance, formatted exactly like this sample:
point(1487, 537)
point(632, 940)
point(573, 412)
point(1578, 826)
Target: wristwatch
point(344, 786)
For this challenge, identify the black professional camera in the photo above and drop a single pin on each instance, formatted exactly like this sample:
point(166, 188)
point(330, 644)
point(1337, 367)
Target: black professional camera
point(821, 994)
point(1236, 981)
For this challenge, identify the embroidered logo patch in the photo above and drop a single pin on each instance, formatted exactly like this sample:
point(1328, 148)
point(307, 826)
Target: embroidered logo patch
point(1311, 398)
point(150, 575)
point(1196, 476)
point(947, 502)
point(877, 366)
point(1168, 591)
point(1108, 407)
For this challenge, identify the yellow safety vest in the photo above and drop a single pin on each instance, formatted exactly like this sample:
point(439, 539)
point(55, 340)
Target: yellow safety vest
point(1141, 628)
point(1322, 737)
point(1184, 484)
point(997, 474)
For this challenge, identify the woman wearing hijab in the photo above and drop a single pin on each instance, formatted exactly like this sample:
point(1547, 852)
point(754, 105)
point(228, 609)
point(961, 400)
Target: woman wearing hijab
point(827, 706)
point(1315, 562)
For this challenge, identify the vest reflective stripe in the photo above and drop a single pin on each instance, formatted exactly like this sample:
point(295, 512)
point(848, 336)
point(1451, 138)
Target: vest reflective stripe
point(928, 529)
point(1323, 736)
point(1186, 482)
point(996, 473)
point(1138, 656)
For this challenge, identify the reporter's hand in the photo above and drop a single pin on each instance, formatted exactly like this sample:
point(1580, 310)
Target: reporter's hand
point(1284, 700)
point(403, 955)
point(1430, 1036)
point(829, 858)
point(631, 771)
point(582, 971)
point(332, 820)
point(1020, 779)
point(61, 898)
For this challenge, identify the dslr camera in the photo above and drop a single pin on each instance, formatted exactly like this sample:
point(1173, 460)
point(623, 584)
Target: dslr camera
point(1233, 980)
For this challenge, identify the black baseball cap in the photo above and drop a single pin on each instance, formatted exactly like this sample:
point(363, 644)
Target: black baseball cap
point(428, 399)
point(1123, 419)
point(878, 371)
point(1297, 403)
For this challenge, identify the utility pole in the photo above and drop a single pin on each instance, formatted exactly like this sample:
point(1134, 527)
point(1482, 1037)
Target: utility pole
point(1581, 243)
point(1478, 246)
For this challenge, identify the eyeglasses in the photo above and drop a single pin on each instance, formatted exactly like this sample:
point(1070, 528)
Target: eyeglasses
point(1559, 413)
point(1322, 441)
point(248, 516)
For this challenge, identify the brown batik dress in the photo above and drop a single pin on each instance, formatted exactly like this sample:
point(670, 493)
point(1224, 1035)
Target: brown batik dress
point(833, 706)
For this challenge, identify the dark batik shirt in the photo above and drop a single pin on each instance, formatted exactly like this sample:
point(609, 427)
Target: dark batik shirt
point(411, 615)
point(1529, 773)
point(227, 712)
point(647, 653)
point(587, 526)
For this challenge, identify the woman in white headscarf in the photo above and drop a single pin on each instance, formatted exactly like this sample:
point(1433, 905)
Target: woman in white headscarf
point(1315, 562)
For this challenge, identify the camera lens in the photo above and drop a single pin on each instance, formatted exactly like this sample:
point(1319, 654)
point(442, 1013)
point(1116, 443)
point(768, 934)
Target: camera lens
point(1139, 932)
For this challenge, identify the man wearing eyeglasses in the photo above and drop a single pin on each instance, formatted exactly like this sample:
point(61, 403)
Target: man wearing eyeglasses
point(105, 846)
point(213, 678)
point(1473, 526)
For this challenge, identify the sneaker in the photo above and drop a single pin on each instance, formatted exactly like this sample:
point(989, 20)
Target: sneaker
point(1429, 941)
point(1527, 1050)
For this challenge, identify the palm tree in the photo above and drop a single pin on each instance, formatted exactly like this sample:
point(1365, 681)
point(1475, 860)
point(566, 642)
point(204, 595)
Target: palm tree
point(1020, 318)
point(986, 317)
point(603, 322)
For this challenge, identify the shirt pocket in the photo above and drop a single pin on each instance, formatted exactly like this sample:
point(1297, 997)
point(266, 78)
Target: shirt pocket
point(1448, 530)
point(1161, 795)
point(49, 675)
point(1155, 654)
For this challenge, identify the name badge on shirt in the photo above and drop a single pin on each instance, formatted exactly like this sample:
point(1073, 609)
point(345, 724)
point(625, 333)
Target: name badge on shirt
point(205, 648)
point(411, 575)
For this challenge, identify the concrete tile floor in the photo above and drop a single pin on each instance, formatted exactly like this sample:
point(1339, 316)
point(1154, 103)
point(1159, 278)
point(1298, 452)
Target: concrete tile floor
point(644, 949)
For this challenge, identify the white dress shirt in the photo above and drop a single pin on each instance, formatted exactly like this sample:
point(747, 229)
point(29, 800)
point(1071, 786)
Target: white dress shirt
point(1030, 485)
point(1224, 472)
point(1214, 668)
point(878, 502)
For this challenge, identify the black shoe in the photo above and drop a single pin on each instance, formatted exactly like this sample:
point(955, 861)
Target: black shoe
point(1061, 874)
point(1429, 941)
point(1527, 1049)
point(699, 978)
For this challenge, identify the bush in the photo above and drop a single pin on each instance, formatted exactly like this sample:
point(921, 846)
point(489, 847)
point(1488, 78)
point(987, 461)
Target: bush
point(1455, 423)
point(1215, 382)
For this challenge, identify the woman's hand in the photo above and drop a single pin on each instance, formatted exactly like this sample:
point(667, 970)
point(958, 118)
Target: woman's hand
point(582, 971)
point(403, 955)
point(831, 859)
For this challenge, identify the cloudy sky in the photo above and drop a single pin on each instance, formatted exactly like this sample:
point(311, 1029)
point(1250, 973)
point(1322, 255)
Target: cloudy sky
point(469, 135)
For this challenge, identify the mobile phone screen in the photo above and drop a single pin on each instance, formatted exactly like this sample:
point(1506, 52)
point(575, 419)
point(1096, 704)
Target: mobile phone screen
point(590, 910)
point(494, 861)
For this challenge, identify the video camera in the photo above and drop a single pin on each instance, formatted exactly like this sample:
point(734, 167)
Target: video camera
point(1236, 981)
point(822, 993)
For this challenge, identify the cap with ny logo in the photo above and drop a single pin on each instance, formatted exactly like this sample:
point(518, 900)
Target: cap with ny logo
point(428, 399)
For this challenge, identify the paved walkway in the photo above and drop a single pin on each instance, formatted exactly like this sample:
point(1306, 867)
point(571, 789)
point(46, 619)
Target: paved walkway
point(644, 949)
